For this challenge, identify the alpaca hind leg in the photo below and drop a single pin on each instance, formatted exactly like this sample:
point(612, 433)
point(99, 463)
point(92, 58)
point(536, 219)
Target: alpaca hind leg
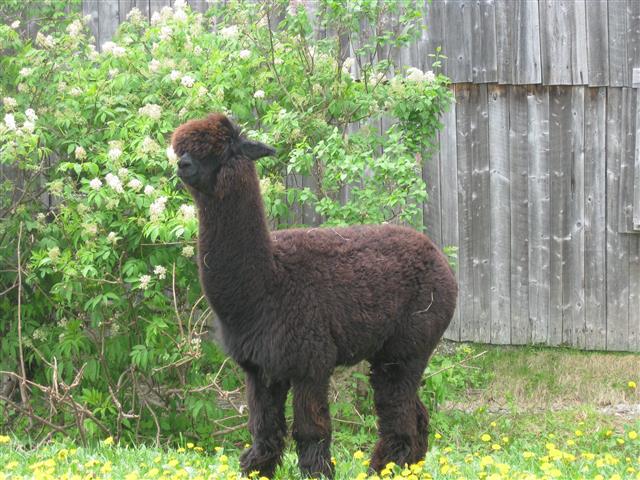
point(312, 427)
point(422, 425)
point(401, 424)
point(266, 424)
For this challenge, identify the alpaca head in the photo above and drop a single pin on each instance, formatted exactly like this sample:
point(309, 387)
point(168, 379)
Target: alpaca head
point(207, 146)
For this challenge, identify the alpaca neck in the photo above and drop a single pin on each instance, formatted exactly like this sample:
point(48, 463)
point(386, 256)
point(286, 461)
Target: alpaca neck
point(235, 251)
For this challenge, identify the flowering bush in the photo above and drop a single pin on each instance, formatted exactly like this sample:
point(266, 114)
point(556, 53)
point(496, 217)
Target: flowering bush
point(103, 270)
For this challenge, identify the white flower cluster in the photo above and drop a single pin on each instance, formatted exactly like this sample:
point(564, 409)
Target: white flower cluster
point(29, 124)
point(151, 110)
point(25, 72)
point(44, 41)
point(163, 16)
point(171, 155)
point(188, 212)
point(75, 91)
point(188, 251)
point(258, 94)
point(10, 122)
point(74, 28)
point(134, 184)
point(148, 146)
point(113, 49)
point(175, 75)
point(112, 238)
point(160, 271)
point(154, 65)
point(187, 81)
point(114, 153)
point(165, 33)
point(16, 24)
point(9, 103)
point(135, 15)
point(229, 32)
point(148, 190)
point(114, 182)
point(80, 153)
point(144, 281)
point(244, 54)
point(95, 184)
point(53, 254)
point(157, 208)
point(416, 75)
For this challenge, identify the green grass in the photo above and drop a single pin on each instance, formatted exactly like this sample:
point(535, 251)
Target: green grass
point(521, 413)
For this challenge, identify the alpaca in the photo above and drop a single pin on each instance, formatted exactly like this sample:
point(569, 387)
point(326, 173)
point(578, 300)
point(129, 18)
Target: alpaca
point(296, 303)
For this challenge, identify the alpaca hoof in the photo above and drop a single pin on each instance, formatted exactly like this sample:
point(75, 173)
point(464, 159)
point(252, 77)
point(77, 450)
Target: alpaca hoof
point(389, 450)
point(251, 461)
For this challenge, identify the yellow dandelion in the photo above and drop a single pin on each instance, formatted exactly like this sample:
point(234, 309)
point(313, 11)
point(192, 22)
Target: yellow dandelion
point(528, 455)
point(385, 472)
point(598, 477)
point(444, 469)
point(608, 433)
point(333, 460)
point(4, 439)
point(496, 447)
point(181, 450)
point(365, 463)
point(361, 476)
point(224, 459)
point(63, 454)
point(620, 441)
point(570, 443)
point(493, 424)
point(494, 476)
point(157, 459)
point(615, 476)
point(223, 468)
point(190, 445)
point(153, 472)
point(486, 461)
point(11, 465)
point(505, 440)
point(107, 467)
point(633, 434)
point(219, 449)
point(503, 468)
point(198, 449)
point(173, 463)
point(632, 385)
point(131, 476)
point(358, 454)
point(263, 478)
point(108, 441)
point(578, 433)
point(437, 436)
point(448, 450)
point(485, 437)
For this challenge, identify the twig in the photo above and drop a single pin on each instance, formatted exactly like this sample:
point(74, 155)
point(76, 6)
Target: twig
point(175, 300)
point(23, 372)
point(426, 309)
point(461, 362)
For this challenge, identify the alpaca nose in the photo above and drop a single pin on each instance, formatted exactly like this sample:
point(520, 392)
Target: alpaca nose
point(185, 161)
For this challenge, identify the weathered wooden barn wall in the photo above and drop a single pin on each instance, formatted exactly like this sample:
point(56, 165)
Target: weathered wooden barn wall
point(537, 179)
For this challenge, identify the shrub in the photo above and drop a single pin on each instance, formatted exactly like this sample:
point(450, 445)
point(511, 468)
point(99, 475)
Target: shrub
point(110, 306)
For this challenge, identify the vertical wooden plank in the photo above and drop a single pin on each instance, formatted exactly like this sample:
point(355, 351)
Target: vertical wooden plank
point(480, 213)
point(618, 61)
point(519, 195)
point(627, 162)
point(597, 42)
point(634, 293)
point(563, 37)
point(636, 176)
point(90, 7)
point(483, 55)
point(464, 139)
point(199, 5)
point(518, 42)
point(633, 38)
point(560, 188)
point(595, 219)
point(143, 6)
point(499, 202)
point(109, 20)
point(432, 210)
point(449, 199)
point(433, 36)
point(539, 212)
point(457, 40)
point(156, 5)
point(617, 244)
point(573, 322)
point(124, 7)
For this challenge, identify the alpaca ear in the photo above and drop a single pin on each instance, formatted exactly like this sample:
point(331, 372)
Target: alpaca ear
point(254, 150)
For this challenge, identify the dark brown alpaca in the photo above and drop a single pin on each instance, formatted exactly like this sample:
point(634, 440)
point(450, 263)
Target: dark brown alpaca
point(294, 304)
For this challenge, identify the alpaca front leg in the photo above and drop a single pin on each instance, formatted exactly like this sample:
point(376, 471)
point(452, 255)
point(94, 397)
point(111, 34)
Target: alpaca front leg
point(312, 427)
point(266, 424)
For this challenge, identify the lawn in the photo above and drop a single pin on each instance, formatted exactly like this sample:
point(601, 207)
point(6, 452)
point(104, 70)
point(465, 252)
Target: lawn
point(528, 413)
